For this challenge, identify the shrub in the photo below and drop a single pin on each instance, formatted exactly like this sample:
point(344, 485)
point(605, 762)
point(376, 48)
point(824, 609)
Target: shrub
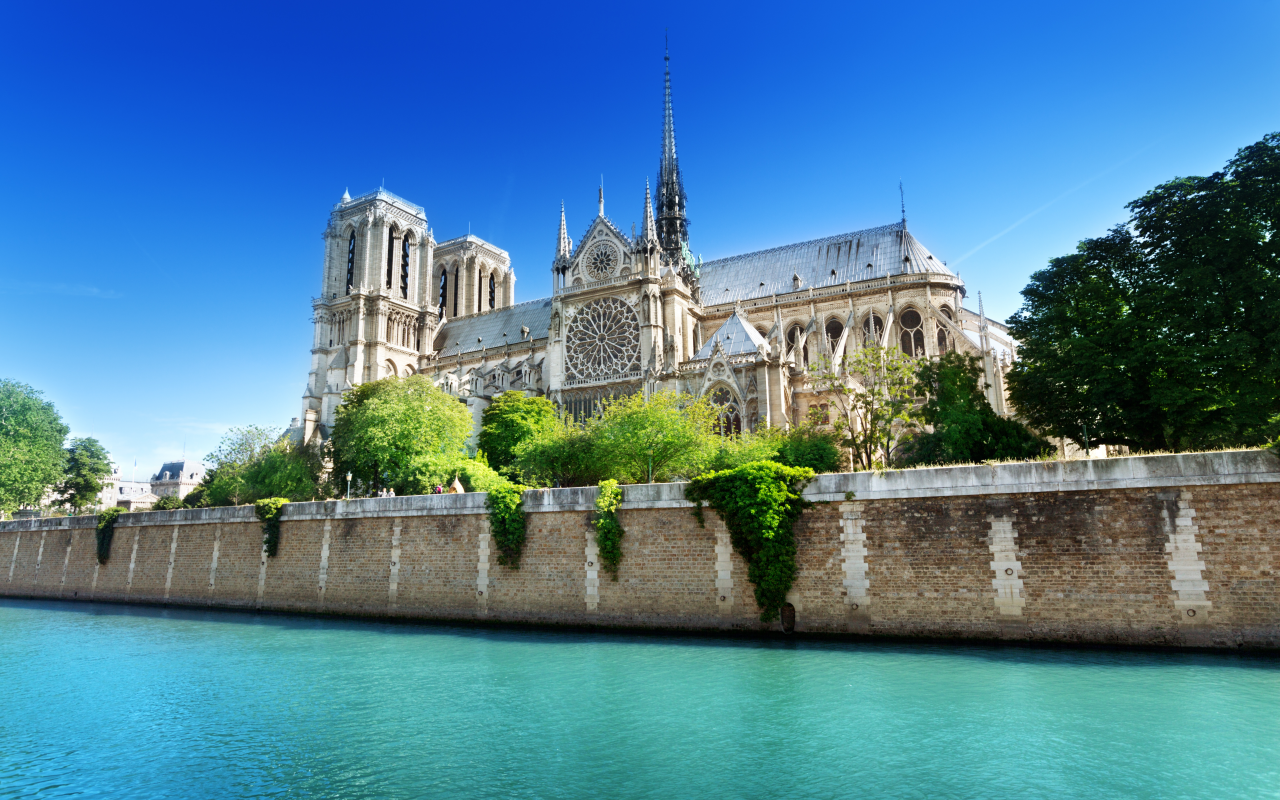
point(168, 503)
point(759, 503)
point(506, 521)
point(106, 532)
point(609, 530)
point(269, 511)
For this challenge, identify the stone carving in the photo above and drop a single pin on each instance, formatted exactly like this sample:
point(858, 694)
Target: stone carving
point(603, 340)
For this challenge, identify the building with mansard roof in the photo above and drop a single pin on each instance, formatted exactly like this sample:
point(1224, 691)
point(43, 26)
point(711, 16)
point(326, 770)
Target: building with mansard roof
point(628, 313)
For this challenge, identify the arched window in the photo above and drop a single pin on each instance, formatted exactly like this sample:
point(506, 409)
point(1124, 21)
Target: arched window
point(351, 262)
point(479, 295)
point(404, 268)
point(912, 338)
point(793, 341)
point(945, 341)
point(872, 330)
point(835, 328)
point(457, 270)
point(391, 249)
point(493, 291)
point(728, 418)
point(444, 290)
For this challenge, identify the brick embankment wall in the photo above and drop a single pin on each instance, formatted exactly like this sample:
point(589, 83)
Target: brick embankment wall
point(1167, 550)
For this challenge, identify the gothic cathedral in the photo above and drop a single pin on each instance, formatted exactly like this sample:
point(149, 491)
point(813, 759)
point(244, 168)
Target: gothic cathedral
point(627, 313)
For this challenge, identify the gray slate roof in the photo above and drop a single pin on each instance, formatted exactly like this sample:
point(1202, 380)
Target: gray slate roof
point(736, 335)
point(489, 327)
point(857, 256)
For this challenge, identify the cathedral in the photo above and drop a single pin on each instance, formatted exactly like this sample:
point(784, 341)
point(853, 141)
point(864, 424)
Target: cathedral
point(627, 313)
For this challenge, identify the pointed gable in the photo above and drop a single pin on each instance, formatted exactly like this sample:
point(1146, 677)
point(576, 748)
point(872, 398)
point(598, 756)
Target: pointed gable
point(736, 336)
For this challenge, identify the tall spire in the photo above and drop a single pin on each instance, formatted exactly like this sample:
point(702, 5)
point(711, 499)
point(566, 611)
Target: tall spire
point(649, 231)
point(564, 247)
point(602, 195)
point(673, 226)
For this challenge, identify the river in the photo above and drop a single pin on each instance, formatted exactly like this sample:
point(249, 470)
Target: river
point(134, 702)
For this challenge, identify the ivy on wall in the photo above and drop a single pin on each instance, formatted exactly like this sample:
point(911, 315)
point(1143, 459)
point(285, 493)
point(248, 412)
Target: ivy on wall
point(608, 529)
point(506, 521)
point(106, 532)
point(269, 511)
point(759, 503)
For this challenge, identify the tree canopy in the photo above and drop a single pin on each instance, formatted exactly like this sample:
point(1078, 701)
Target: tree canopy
point(31, 456)
point(965, 428)
point(510, 420)
point(392, 432)
point(873, 390)
point(1161, 334)
point(87, 464)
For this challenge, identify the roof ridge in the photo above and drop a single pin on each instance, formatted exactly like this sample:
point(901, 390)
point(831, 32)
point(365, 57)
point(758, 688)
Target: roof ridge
point(812, 242)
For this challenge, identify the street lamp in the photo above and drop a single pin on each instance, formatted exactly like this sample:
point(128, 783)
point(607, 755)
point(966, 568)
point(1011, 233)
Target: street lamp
point(348, 485)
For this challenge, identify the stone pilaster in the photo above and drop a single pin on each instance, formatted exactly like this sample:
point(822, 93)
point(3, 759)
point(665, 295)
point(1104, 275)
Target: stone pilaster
point(1004, 563)
point(1183, 555)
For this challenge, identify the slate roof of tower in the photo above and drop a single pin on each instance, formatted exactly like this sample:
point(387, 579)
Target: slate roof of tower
point(489, 327)
point(857, 256)
point(737, 337)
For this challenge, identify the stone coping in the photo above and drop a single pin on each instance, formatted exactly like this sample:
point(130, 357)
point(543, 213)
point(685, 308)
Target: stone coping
point(1133, 472)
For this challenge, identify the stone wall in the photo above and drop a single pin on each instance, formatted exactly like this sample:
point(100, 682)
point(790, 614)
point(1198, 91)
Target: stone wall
point(1162, 550)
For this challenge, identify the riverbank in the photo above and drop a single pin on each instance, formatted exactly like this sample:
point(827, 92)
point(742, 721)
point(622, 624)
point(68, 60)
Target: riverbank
point(1177, 551)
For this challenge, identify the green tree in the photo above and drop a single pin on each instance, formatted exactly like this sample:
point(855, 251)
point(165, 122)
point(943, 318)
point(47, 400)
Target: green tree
point(168, 503)
point(31, 456)
point(510, 420)
point(286, 469)
point(565, 453)
point(811, 445)
point(872, 391)
point(662, 438)
point(1161, 335)
point(965, 427)
point(390, 432)
point(87, 464)
point(1091, 347)
point(225, 483)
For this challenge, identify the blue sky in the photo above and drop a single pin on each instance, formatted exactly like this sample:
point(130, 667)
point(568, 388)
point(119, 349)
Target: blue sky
point(167, 170)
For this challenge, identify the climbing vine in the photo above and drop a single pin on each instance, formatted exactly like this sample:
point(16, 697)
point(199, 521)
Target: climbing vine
point(269, 511)
point(506, 521)
point(106, 532)
point(759, 503)
point(608, 529)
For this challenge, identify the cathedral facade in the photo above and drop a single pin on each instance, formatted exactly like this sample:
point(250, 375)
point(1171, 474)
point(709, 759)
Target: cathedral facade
point(627, 313)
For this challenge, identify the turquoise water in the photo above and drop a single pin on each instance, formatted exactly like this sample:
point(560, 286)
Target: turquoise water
point(112, 701)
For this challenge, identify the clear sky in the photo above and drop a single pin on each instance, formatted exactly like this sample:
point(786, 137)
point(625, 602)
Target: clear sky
point(166, 171)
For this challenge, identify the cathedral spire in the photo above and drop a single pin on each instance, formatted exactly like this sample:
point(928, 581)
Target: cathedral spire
point(564, 247)
point(673, 227)
point(649, 231)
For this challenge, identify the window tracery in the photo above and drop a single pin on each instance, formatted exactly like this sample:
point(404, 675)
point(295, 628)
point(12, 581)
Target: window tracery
point(603, 340)
point(945, 341)
point(912, 338)
point(602, 261)
point(834, 330)
point(728, 417)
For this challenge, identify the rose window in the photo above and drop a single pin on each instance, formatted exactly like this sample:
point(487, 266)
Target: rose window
point(603, 340)
point(601, 262)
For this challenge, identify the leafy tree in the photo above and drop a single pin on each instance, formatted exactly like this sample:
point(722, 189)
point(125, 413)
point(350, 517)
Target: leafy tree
point(87, 464)
point(810, 445)
point(1213, 245)
point(1091, 346)
point(873, 391)
point(660, 438)
point(288, 469)
point(169, 502)
point(510, 420)
point(31, 455)
point(565, 453)
point(225, 483)
point(390, 432)
point(1161, 335)
point(965, 427)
